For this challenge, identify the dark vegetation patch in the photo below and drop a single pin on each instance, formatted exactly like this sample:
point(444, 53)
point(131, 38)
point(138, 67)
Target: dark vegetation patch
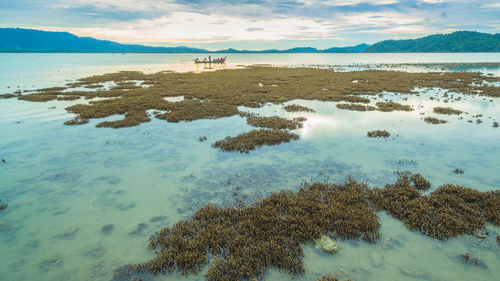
point(392, 106)
point(3, 205)
point(76, 121)
point(434, 120)
point(446, 110)
point(495, 124)
point(218, 94)
point(274, 122)
point(297, 108)
point(449, 211)
point(246, 142)
point(355, 107)
point(8, 96)
point(466, 258)
point(242, 243)
point(378, 134)
point(458, 171)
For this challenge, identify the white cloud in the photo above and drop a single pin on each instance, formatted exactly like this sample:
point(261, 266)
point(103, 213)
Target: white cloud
point(189, 27)
point(347, 2)
point(491, 6)
point(378, 19)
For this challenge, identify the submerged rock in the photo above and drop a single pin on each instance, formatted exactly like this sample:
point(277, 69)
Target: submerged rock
point(50, 263)
point(68, 232)
point(412, 272)
point(376, 259)
point(326, 244)
point(106, 229)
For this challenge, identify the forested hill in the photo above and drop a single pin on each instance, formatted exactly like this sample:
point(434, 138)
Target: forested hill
point(460, 41)
point(29, 40)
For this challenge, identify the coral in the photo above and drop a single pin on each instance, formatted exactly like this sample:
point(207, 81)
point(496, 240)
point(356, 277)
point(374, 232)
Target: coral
point(297, 108)
point(446, 110)
point(242, 243)
point(246, 142)
point(76, 121)
point(392, 106)
point(378, 134)
point(218, 94)
point(449, 211)
point(434, 121)
point(466, 258)
point(355, 107)
point(274, 122)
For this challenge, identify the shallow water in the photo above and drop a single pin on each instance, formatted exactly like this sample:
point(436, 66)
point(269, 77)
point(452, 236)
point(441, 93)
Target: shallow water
point(64, 183)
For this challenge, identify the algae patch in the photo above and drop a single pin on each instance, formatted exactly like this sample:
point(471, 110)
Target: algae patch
point(434, 120)
point(446, 110)
point(378, 134)
point(246, 142)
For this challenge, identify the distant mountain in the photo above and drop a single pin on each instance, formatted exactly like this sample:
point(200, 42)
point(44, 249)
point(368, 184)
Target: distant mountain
point(28, 40)
point(355, 49)
point(460, 41)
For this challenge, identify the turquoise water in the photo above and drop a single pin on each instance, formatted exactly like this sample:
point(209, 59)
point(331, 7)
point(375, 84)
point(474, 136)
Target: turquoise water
point(65, 183)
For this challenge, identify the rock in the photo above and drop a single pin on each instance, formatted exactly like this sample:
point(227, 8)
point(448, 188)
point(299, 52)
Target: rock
point(389, 243)
point(68, 232)
point(326, 244)
point(412, 272)
point(376, 259)
point(50, 263)
point(158, 219)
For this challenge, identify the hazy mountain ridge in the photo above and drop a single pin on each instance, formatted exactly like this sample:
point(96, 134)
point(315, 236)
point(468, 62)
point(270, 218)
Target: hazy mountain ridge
point(29, 40)
point(460, 41)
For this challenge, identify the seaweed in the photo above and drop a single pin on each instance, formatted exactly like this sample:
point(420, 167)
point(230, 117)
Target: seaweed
point(243, 243)
point(246, 142)
point(446, 110)
point(297, 108)
point(378, 134)
point(434, 121)
point(495, 124)
point(458, 171)
point(274, 122)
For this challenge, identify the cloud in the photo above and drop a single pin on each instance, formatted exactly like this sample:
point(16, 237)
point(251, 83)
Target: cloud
point(218, 21)
point(186, 27)
point(347, 2)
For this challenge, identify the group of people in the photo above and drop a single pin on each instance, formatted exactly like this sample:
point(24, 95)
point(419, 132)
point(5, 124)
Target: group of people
point(215, 60)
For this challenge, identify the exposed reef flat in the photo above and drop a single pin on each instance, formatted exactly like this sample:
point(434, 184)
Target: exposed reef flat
point(217, 94)
point(242, 243)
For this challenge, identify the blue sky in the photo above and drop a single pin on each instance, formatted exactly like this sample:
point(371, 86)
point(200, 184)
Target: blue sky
point(252, 24)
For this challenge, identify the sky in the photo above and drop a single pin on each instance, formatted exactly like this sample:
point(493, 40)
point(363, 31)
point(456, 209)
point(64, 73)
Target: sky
point(252, 24)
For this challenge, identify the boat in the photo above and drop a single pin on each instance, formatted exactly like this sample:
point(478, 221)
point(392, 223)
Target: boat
point(216, 61)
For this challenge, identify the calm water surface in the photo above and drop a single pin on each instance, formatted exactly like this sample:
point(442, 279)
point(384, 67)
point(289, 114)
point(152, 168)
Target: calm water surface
point(65, 183)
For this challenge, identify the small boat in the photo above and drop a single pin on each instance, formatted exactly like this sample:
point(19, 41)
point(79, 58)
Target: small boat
point(217, 60)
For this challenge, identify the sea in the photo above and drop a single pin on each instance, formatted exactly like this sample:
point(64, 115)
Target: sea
point(66, 185)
